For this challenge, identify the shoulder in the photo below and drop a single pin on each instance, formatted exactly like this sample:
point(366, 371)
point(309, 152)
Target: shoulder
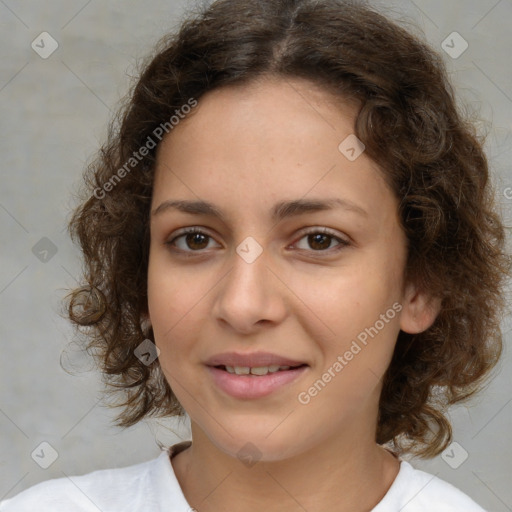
point(418, 491)
point(91, 492)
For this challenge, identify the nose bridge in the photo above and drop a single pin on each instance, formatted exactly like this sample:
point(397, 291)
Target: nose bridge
point(250, 292)
point(248, 277)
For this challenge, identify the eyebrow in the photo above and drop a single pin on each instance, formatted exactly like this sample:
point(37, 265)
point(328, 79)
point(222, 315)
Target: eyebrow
point(280, 210)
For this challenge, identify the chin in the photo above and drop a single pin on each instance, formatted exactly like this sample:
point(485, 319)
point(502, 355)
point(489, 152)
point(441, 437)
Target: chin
point(251, 445)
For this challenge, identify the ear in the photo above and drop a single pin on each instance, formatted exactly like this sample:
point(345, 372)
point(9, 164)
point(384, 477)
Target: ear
point(419, 310)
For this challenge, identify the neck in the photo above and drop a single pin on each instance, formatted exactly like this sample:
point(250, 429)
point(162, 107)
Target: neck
point(339, 474)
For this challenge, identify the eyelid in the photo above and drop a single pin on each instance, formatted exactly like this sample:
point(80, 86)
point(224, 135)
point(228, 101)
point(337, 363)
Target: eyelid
point(326, 231)
point(189, 230)
point(342, 242)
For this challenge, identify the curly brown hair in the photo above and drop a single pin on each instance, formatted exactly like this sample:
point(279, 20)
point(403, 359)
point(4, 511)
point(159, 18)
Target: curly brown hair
point(411, 125)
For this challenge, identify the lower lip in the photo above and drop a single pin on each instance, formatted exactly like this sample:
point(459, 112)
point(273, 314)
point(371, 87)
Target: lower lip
point(253, 386)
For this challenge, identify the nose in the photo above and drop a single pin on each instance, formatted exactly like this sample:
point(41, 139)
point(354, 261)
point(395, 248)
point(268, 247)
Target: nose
point(250, 295)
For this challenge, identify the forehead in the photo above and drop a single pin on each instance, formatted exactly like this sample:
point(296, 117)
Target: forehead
point(265, 142)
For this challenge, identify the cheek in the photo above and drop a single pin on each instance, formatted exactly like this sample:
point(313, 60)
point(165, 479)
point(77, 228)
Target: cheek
point(168, 299)
point(347, 299)
point(176, 302)
point(359, 307)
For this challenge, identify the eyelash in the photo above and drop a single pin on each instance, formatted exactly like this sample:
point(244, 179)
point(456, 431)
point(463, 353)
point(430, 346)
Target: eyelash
point(324, 231)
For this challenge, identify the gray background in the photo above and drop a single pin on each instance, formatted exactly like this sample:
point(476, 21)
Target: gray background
point(54, 113)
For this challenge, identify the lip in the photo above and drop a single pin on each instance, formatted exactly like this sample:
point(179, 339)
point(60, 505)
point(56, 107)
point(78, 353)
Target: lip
point(251, 386)
point(253, 359)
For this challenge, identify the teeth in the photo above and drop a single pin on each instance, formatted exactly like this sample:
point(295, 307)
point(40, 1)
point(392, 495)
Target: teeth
point(258, 370)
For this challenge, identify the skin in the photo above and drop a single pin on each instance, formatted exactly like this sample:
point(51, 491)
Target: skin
point(244, 149)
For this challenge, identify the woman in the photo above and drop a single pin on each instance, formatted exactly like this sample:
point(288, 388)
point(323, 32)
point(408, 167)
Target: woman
point(290, 237)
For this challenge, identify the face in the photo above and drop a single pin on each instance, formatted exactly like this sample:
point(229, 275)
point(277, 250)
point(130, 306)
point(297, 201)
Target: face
point(297, 262)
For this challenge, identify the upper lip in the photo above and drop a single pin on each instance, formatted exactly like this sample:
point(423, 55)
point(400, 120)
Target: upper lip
point(251, 360)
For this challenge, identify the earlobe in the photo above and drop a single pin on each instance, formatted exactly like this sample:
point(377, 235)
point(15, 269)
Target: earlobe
point(419, 310)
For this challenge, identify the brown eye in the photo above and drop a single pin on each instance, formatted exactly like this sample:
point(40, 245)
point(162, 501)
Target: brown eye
point(320, 240)
point(192, 240)
point(196, 240)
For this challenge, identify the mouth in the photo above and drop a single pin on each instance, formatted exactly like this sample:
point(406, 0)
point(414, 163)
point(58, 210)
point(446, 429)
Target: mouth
point(258, 371)
point(231, 361)
point(254, 376)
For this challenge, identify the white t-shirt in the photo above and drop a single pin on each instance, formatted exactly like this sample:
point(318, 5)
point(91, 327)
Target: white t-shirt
point(152, 487)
